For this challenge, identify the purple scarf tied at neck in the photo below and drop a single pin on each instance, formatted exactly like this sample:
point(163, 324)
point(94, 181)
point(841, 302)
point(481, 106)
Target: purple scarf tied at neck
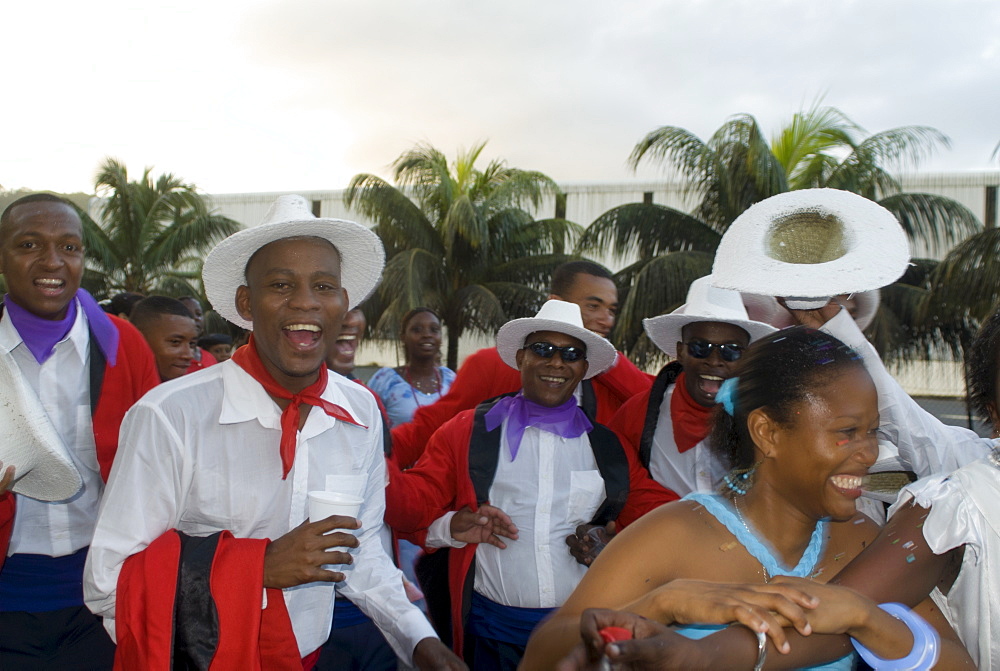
point(40, 335)
point(566, 420)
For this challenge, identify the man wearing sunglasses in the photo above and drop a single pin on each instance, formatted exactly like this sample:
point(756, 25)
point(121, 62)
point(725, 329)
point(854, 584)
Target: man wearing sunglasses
point(534, 466)
point(668, 425)
point(483, 375)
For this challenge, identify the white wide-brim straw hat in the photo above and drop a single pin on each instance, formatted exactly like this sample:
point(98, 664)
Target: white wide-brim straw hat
point(29, 442)
point(767, 309)
point(362, 256)
point(705, 303)
point(561, 317)
point(810, 245)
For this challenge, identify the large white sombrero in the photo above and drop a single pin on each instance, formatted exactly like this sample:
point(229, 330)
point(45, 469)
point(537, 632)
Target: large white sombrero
point(561, 317)
point(810, 245)
point(29, 441)
point(767, 309)
point(362, 256)
point(705, 303)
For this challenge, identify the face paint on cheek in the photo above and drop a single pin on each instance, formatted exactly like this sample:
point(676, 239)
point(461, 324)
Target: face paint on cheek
point(841, 443)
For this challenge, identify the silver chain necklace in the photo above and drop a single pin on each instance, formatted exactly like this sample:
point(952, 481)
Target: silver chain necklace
point(736, 506)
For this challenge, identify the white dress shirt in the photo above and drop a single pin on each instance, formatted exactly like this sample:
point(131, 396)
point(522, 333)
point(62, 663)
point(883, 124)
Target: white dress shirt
point(548, 490)
point(200, 454)
point(62, 383)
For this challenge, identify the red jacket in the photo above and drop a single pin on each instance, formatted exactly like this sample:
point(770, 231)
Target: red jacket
point(210, 618)
point(484, 375)
point(133, 374)
point(440, 482)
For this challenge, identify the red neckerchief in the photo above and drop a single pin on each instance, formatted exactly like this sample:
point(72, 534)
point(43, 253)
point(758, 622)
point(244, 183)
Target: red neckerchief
point(690, 418)
point(249, 360)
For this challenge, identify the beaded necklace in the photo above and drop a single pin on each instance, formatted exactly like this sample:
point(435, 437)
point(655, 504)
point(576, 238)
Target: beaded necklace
point(416, 387)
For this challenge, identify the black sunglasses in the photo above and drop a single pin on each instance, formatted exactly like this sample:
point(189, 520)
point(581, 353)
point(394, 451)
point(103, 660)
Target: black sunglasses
point(547, 350)
point(702, 349)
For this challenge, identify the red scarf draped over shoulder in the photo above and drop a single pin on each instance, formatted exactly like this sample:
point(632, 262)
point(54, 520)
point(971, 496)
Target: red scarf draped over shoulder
point(249, 360)
point(690, 418)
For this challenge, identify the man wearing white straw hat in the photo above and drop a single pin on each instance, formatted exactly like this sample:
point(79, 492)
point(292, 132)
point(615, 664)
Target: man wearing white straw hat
point(812, 247)
point(204, 511)
point(68, 373)
point(543, 466)
point(669, 425)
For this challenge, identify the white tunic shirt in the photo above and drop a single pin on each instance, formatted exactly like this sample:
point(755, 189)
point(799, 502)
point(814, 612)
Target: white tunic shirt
point(200, 455)
point(965, 510)
point(62, 383)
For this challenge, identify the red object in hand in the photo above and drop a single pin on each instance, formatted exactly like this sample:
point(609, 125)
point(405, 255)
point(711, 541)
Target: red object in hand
point(612, 634)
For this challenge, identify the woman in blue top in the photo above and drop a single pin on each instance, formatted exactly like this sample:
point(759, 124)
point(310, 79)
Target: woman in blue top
point(420, 381)
point(798, 430)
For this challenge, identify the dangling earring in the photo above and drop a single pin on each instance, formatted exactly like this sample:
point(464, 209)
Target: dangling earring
point(741, 480)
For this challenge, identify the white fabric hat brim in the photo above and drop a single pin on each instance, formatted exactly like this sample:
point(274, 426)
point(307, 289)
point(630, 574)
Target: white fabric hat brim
point(510, 338)
point(665, 330)
point(29, 442)
point(877, 251)
point(362, 259)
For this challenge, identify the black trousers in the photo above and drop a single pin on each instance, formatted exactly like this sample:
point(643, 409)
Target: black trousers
point(358, 648)
point(71, 639)
point(488, 654)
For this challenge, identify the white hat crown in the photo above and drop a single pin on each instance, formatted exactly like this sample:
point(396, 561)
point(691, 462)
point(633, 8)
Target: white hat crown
point(706, 300)
point(705, 303)
point(561, 311)
point(292, 207)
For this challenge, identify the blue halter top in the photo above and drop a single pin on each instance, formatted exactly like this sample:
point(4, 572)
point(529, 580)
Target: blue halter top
point(759, 549)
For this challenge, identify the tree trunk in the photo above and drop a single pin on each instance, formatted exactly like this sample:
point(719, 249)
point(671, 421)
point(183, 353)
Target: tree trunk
point(454, 335)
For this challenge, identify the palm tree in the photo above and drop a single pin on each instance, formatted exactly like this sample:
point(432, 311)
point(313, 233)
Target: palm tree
point(458, 239)
point(737, 167)
point(151, 235)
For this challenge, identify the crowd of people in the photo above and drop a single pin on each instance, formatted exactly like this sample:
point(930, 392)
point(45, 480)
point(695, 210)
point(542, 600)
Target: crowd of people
point(160, 502)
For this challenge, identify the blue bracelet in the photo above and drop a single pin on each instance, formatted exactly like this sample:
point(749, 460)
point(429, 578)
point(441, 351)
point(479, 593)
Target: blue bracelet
point(926, 643)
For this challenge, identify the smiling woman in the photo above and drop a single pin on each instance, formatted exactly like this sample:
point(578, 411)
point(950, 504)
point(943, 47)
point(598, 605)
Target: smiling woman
point(420, 381)
point(798, 430)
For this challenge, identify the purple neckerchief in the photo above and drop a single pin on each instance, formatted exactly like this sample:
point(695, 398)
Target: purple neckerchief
point(566, 420)
point(41, 335)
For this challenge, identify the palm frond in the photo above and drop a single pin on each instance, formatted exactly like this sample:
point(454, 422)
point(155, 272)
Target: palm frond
point(658, 286)
point(646, 230)
point(936, 221)
point(398, 221)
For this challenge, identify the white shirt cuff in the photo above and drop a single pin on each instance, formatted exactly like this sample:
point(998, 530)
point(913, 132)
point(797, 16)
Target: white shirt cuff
point(439, 533)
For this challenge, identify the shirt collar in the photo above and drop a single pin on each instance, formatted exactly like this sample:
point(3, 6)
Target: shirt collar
point(244, 399)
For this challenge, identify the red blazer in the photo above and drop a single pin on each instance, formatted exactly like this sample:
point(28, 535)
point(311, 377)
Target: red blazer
point(440, 482)
point(159, 618)
point(628, 422)
point(133, 374)
point(484, 375)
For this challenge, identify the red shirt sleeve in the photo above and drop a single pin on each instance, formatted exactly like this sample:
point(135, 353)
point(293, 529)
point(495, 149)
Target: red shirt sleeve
point(645, 494)
point(439, 481)
point(482, 376)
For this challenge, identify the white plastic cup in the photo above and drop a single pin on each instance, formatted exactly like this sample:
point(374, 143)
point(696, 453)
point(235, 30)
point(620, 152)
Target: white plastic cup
point(324, 504)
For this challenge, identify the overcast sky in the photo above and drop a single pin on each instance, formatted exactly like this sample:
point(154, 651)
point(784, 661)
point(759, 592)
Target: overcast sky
point(262, 95)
